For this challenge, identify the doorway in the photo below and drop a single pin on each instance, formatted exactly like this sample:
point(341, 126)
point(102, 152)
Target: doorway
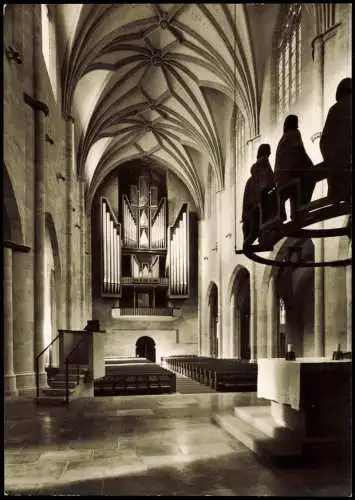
point(145, 348)
point(213, 320)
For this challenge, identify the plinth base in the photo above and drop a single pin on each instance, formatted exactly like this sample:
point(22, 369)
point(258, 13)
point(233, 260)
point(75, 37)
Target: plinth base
point(10, 388)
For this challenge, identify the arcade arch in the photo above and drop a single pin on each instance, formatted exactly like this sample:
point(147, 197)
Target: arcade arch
point(240, 315)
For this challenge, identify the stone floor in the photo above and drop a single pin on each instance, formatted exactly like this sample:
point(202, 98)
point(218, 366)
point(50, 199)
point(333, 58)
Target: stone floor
point(146, 445)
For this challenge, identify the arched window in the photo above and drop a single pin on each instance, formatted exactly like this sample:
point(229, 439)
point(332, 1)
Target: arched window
point(49, 45)
point(282, 312)
point(288, 61)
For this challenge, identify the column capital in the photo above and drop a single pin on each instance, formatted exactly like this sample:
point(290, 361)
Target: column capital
point(35, 104)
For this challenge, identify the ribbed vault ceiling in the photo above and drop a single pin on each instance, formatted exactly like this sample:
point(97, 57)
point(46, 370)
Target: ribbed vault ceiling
point(136, 79)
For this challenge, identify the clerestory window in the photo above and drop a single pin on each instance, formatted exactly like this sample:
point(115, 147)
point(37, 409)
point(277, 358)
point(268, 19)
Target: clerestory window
point(282, 312)
point(288, 61)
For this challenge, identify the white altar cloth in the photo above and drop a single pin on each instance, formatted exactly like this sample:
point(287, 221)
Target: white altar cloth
point(280, 380)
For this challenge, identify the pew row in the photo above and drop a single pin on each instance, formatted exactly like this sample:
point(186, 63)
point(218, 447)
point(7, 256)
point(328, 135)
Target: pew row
point(220, 374)
point(131, 379)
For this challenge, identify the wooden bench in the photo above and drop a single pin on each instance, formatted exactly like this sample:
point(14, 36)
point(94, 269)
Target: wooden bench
point(220, 374)
point(129, 379)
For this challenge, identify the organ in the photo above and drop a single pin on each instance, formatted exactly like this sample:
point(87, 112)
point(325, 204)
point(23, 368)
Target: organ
point(141, 254)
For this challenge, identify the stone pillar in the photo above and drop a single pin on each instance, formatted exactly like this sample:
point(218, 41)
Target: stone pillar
point(348, 308)
point(23, 318)
point(232, 339)
point(39, 233)
point(272, 331)
point(70, 207)
point(40, 111)
point(83, 259)
point(219, 256)
point(318, 112)
point(262, 339)
point(319, 310)
point(8, 341)
point(88, 273)
point(253, 316)
point(237, 333)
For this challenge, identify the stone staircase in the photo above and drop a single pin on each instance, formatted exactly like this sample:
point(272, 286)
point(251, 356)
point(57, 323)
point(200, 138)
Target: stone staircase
point(55, 393)
point(257, 430)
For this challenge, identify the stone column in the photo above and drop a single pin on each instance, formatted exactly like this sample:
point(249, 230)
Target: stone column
point(272, 333)
point(348, 308)
point(319, 310)
point(219, 256)
point(8, 341)
point(23, 316)
point(253, 315)
point(70, 207)
point(40, 111)
point(318, 112)
point(262, 339)
point(88, 282)
point(82, 254)
point(232, 339)
point(39, 233)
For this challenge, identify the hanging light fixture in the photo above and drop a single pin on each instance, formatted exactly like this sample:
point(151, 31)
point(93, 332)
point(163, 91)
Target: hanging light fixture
point(270, 232)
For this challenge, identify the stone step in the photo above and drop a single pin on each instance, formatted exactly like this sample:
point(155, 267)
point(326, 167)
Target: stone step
point(50, 401)
point(60, 384)
point(279, 452)
point(57, 392)
point(260, 417)
point(72, 376)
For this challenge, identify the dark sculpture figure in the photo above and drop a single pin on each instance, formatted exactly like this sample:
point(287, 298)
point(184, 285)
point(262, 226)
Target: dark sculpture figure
point(336, 143)
point(292, 162)
point(260, 188)
point(250, 214)
point(265, 182)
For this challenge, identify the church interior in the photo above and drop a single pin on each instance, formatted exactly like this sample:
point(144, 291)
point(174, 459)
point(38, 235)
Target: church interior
point(177, 248)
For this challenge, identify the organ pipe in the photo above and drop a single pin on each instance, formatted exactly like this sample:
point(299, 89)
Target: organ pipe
point(179, 254)
point(178, 259)
point(118, 260)
point(185, 263)
point(104, 235)
point(111, 251)
point(114, 257)
point(164, 225)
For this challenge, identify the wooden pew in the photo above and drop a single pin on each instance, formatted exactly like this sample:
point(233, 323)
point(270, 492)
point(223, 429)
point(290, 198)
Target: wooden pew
point(219, 374)
point(140, 378)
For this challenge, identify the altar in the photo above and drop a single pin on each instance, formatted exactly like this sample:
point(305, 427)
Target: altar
point(310, 396)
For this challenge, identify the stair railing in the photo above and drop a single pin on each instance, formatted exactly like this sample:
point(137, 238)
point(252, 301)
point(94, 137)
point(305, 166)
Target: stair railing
point(50, 361)
point(67, 368)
